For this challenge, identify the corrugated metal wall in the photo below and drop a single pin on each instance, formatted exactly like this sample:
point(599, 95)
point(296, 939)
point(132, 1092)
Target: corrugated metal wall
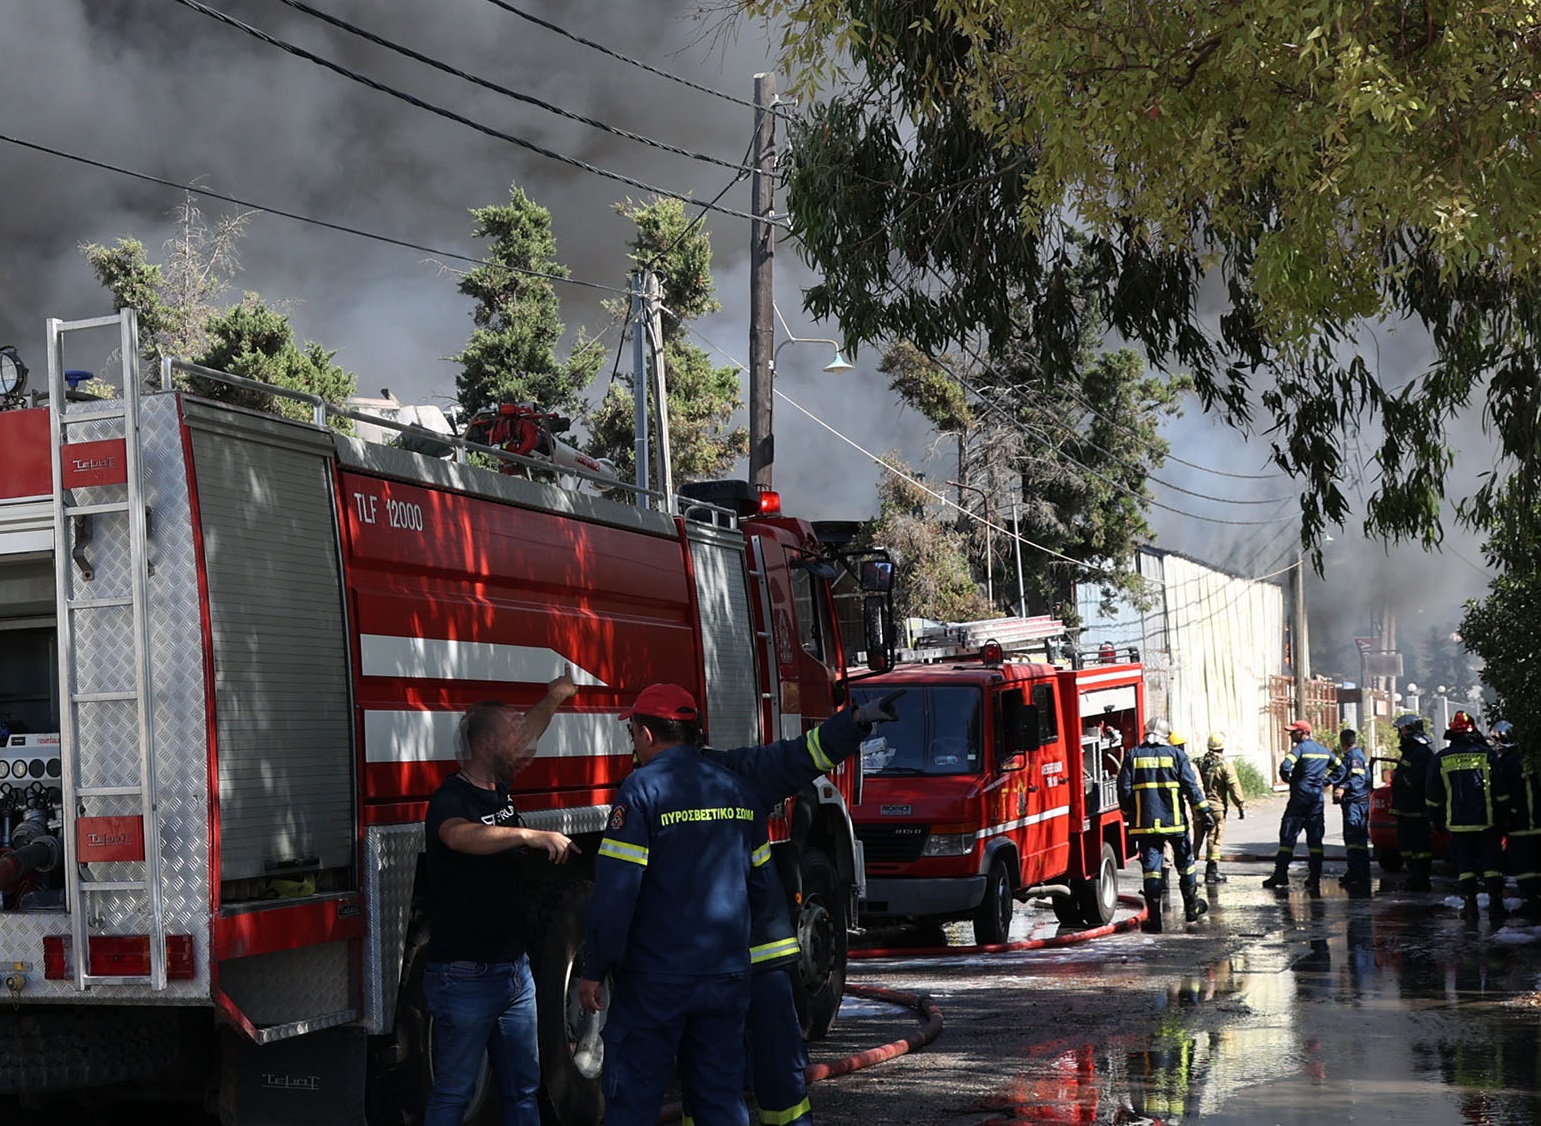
point(281, 689)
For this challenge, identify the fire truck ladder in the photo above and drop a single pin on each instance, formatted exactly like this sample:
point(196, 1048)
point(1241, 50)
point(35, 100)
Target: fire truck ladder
point(99, 482)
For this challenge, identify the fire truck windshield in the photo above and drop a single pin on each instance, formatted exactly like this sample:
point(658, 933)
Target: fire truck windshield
point(939, 731)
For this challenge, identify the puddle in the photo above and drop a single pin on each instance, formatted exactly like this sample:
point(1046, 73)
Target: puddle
point(1397, 1013)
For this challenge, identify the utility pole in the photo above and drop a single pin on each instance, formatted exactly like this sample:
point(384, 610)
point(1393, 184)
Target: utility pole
point(639, 382)
point(653, 306)
point(1302, 637)
point(762, 295)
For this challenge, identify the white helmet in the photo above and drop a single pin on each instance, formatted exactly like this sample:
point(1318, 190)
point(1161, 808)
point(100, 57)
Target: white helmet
point(1158, 728)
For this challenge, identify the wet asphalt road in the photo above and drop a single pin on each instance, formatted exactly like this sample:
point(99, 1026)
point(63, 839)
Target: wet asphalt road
point(1275, 1008)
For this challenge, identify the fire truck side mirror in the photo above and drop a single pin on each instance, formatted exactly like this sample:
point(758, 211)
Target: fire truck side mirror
point(877, 576)
point(877, 624)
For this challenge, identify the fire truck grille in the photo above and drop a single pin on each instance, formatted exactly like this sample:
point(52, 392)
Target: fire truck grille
point(892, 844)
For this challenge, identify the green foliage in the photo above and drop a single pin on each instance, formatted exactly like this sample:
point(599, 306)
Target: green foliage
point(1503, 627)
point(702, 397)
point(180, 317)
point(1253, 784)
point(933, 577)
point(1321, 169)
point(510, 356)
point(254, 341)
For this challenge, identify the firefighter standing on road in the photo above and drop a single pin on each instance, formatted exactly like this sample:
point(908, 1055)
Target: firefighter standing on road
point(777, 1053)
point(1519, 778)
point(1465, 798)
point(1223, 789)
point(683, 867)
point(1309, 767)
point(1152, 784)
point(1352, 794)
point(1409, 804)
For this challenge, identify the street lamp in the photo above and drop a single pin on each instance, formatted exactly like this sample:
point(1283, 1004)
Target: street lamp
point(762, 442)
point(989, 540)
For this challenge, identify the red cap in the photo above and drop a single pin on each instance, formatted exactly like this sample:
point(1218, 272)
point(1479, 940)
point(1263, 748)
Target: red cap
point(1301, 726)
point(664, 701)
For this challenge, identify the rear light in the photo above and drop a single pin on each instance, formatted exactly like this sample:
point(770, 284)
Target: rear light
point(770, 502)
point(119, 955)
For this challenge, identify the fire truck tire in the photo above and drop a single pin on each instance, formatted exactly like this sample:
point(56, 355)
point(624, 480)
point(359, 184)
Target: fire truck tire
point(822, 934)
point(1097, 898)
point(992, 918)
point(572, 1097)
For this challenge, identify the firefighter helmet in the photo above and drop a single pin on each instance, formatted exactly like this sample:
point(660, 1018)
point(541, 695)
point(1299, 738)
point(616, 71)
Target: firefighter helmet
point(1462, 721)
point(1158, 727)
point(1503, 733)
point(1177, 739)
point(1216, 741)
point(1408, 723)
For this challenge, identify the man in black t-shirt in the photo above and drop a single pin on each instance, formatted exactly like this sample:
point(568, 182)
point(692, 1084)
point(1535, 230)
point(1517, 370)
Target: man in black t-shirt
point(478, 984)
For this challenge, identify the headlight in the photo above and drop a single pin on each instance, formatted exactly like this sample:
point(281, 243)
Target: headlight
point(948, 844)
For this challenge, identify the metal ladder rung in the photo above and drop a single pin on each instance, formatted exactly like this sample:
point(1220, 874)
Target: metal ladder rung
point(103, 697)
point(93, 509)
point(104, 412)
point(113, 884)
point(107, 791)
point(99, 603)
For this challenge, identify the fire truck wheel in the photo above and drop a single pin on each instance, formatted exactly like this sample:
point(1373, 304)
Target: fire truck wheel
point(992, 918)
point(821, 932)
point(1067, 909)
point(1098, 897)
point(571, 1091)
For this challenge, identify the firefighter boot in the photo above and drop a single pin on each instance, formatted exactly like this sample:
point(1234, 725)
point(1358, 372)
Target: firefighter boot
point(1470, 912)
point(1212, 874)
point(1194, 905)
point(1152, 923)
point(1497, 913)
point(1281, 875)
point(1314, 877)
point(1418, 875)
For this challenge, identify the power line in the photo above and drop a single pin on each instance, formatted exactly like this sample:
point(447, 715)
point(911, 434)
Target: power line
point(528, 99)
point(295, 216)
point(539, 150)
point(600, 47)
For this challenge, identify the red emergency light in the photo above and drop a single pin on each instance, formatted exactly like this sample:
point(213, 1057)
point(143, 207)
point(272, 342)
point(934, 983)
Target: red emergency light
point(770, 502)
point(991, 653)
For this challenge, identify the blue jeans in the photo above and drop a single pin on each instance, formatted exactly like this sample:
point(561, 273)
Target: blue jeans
point(482, 1007)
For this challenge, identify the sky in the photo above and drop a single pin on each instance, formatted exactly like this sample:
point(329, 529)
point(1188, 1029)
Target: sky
point(158, 88)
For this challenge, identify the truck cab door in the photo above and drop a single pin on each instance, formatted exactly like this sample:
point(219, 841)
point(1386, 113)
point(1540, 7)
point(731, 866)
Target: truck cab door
point(1044, 786)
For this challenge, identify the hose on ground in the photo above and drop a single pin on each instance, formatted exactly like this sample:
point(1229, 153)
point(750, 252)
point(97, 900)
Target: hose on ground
point(1128, 923)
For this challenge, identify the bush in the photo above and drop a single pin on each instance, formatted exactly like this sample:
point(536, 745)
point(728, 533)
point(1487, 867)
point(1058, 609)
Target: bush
point(1253, 784)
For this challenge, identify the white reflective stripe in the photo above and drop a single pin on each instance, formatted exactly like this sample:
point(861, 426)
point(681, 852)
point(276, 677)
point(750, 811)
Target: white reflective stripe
point(780, 948)
point(760, 855)
point(425, 736)
point(432, 658)
point(622, 850)
point(816, 751)
point(1022, 822)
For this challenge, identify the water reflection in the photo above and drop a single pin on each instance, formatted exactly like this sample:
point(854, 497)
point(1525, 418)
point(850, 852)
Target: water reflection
point(1359, 1012)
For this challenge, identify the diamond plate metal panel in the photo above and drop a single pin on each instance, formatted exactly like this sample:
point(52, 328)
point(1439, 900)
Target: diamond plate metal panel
point(289, 985)
point(390, 869)
point(108, 756)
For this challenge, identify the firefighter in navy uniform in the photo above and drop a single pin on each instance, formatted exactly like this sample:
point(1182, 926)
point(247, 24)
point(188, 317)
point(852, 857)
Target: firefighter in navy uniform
point(683, 867)
point(1309, 768)
point(1409, 804)
point(1352, 795)
point(777, 1053)
point(1152, 783)
point(1519, 778)
point(1466, 798)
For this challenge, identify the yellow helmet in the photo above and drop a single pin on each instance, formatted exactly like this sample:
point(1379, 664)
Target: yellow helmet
point(1176, 739)
point(1217, 740)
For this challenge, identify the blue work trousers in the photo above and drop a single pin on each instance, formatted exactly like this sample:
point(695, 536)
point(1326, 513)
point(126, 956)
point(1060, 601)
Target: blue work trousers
point(658, 1022)
point(1298, 815)
point(1525, 862)
point(482, 1008)
point(1477, 857)
point(1414, 837)
point(1356, 839)
point(1153, 863)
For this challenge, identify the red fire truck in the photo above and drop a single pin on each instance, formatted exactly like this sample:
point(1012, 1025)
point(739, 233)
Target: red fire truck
point(998, 782)
point(233, 651)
